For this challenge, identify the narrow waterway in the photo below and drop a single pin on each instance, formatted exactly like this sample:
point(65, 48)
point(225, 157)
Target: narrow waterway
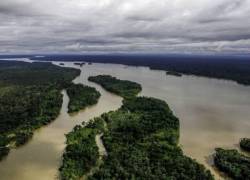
point(213, 113)
point(40, 158)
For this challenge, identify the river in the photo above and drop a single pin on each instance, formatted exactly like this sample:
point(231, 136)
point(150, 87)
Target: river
point(213, 113)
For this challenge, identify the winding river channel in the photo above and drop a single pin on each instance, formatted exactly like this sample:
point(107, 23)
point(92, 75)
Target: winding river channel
point(213, 113)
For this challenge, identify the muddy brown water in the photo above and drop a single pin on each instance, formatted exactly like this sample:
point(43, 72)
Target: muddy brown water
point(213, 113)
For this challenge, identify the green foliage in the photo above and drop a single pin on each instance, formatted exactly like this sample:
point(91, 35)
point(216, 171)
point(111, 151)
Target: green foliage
point(21, 73)
point(81, 153)
point(81, 96)
point(245, 144)
point(22, 137)
point(155, 112)
point(233, 163)
point(122, 88)
point(30, 97)
point(141, 141)
point(140, 138)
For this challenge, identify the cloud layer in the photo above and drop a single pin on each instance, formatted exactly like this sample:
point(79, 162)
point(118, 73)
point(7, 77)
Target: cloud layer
point(128, 26)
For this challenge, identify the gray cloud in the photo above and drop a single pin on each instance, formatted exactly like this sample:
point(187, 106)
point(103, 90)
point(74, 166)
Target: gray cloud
point(94, 26)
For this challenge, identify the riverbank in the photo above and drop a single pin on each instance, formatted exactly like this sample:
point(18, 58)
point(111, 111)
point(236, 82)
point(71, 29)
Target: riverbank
point(234, 68)
point(199, 102)
point(26, 103)
point(141, 139)
point(41, 156)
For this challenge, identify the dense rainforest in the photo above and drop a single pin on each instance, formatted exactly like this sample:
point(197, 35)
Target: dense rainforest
point(81, 153)
point(234, 164)
point(122, 88)
point(141, 139)
point(30, 97)
point(236, 68)
point(81, 96)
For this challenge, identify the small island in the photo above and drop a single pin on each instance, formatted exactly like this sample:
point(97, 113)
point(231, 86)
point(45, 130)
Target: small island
point(30, 97)
point(173, 73)
point(62, 64)
point(245, 144)
point(141, 140)
point(81, 153)
point(79, 64)
point(122, 88)
point(81, 96)
point(231, 162)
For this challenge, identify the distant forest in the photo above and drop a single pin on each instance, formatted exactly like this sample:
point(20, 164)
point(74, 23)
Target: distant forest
point(236, 68)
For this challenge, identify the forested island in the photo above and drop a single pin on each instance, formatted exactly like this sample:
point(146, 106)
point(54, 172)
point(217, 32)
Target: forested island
point(173, 73)
point(81, 96)
point(81, 153)
point(122, 88)
point(245, 144)
point(30, 97)
point(141, 139)
point(234, 164)
point(79, 64)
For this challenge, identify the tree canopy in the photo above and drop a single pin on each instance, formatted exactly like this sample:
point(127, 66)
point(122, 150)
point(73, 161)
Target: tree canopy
point(245, 144)
point(234, 164)
point(122, 88)
point(81, 96)
point(30, 97)
point(141, 140)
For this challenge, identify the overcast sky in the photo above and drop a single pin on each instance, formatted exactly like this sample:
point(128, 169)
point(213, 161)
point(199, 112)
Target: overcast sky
point(125, 26)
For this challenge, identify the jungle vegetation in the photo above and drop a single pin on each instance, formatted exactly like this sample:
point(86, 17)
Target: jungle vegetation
point(142, 143)
point(30, 97)
point(236, 68)
point(141, 140)
point(81, 153)
point(234, 164)
point(81, 96)
point(122, 88)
